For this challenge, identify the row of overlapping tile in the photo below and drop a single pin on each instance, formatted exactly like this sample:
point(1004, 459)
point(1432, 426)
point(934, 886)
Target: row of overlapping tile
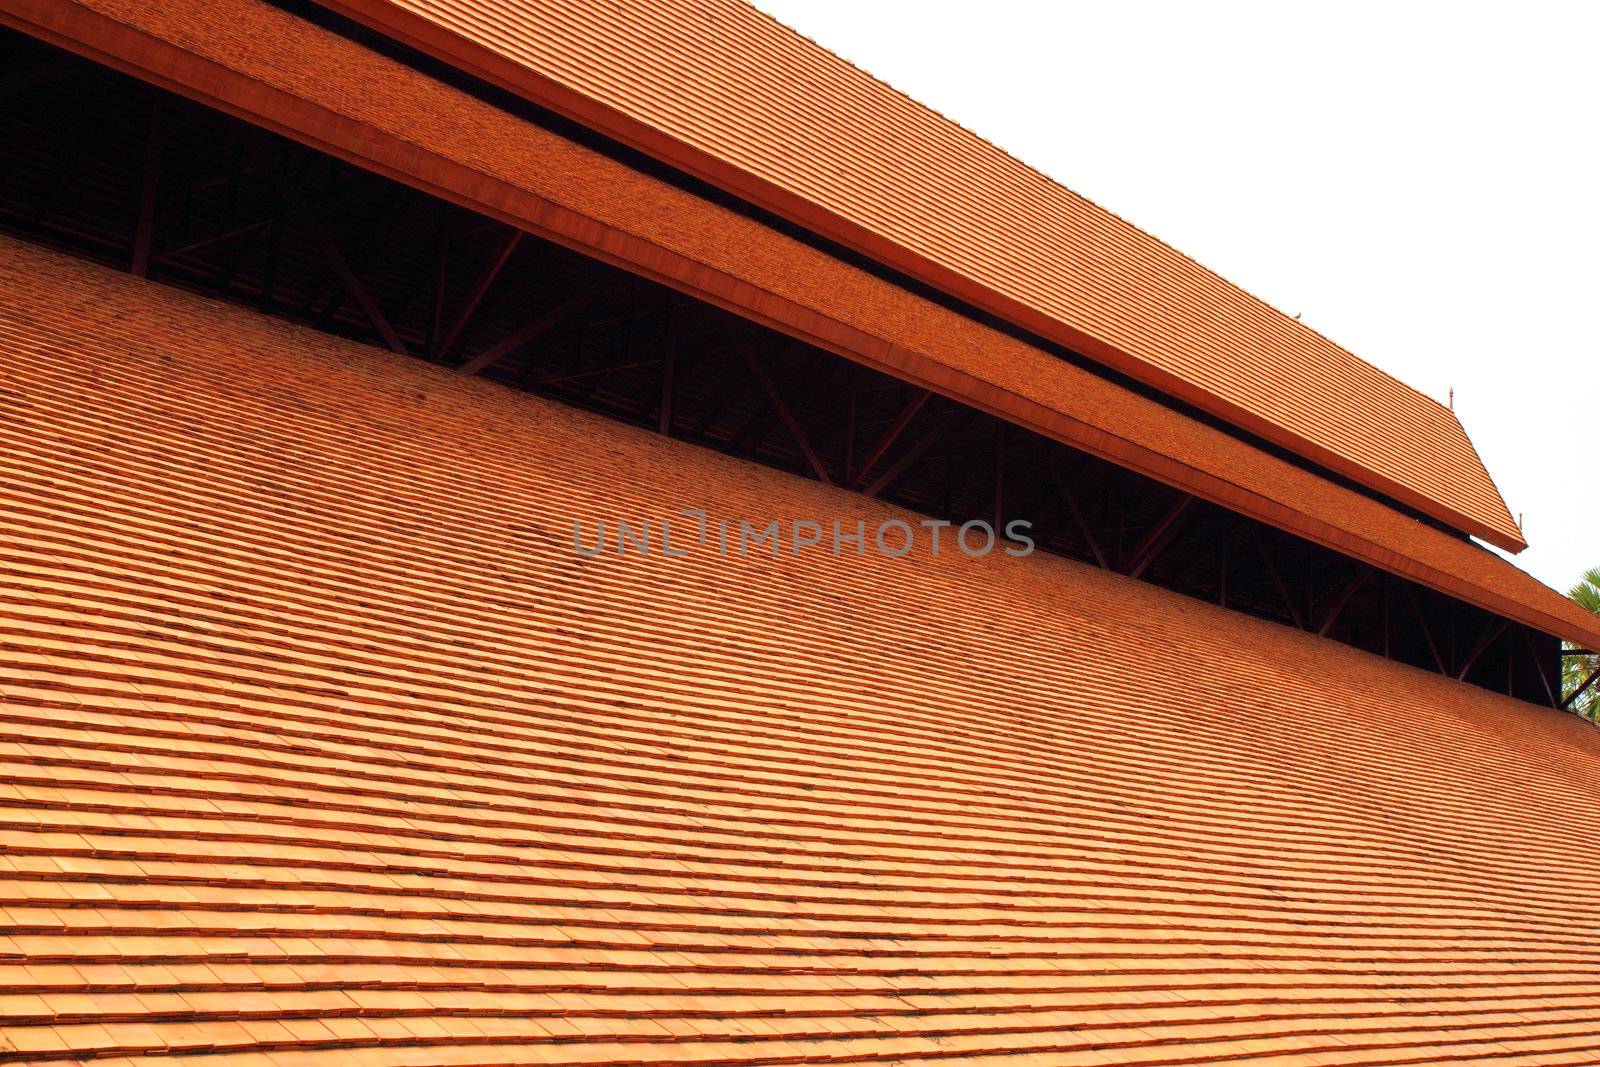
point(323, 745)
point(730, 94)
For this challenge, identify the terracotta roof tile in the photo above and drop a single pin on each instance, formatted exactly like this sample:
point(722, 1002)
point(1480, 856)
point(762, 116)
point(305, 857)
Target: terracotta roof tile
point(294, 785)
point(730, 95)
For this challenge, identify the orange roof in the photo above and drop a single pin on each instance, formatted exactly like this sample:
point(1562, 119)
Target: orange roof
point(322, 747)
point(279, 71)
point(728, 94)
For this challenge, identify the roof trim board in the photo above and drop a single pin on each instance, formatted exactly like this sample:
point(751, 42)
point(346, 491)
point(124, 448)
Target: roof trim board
point(674, 78)
point(259, 62)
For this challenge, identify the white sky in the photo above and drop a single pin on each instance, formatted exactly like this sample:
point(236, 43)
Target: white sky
point(1421, 182)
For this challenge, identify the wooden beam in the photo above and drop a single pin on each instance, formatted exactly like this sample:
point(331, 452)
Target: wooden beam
point(335, 258)
point(240, 229)
point(915, 452)
point(1544, 676)
point(269, 268)
point(441, 278)
point(535, 329)
point(892, 434)
point(1427, 632)
point(224, 281)
point(999, 479)
point(669, 371)
point(232, 177)
point(374, 238)
point(849, 475)
point(472, 230)
point(758, 369)
point(1386, 586)
point(591, 372)
point(1341, 599)
point(816, 376)
point(145, 227)
point(1277, 581)
point(1511, 673)
point(416, 289)
point(1490, 633)
point(480, 289)
point(1158, 537)
point(1071, 504)
point(212, 238)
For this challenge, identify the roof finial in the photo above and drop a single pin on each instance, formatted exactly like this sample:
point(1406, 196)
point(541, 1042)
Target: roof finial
point(1452, 398)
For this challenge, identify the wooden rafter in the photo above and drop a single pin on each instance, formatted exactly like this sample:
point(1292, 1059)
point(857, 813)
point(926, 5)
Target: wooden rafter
point(375, 236)
point(1341, 599)
point(1070, 502)
point(231, 230)
point(1427, 631)
point(144, 228)
point(1277, 581)
point(998, 522)
point(534, 330)
point(914, 453)
point(890, 436)
point(759, 370)
point(1544, 676)
point(669, 371)
point(480, 289)
point(1491, 632)
point(335, 258)
point(591, 372)
point(812, 379)
point(1158, 537)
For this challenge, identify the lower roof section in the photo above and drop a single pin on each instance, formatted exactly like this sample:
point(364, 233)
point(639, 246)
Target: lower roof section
point(277, 70)
point(322, 745)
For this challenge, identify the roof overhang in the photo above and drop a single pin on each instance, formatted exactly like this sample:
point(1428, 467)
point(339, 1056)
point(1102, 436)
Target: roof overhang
point(263, 64)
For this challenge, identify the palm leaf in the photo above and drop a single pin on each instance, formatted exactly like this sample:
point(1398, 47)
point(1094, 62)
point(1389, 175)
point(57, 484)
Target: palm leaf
point(1574, 669)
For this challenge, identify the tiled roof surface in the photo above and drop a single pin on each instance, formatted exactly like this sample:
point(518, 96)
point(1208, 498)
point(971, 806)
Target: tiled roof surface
point(280, 71)
point(731, 95)
point(321, 746)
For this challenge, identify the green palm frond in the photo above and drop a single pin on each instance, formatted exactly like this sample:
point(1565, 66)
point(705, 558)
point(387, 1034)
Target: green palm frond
point(1574, 669)
point(1587, 591)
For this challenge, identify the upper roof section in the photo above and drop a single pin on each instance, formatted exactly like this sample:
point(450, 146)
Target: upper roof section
point(726, 93)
